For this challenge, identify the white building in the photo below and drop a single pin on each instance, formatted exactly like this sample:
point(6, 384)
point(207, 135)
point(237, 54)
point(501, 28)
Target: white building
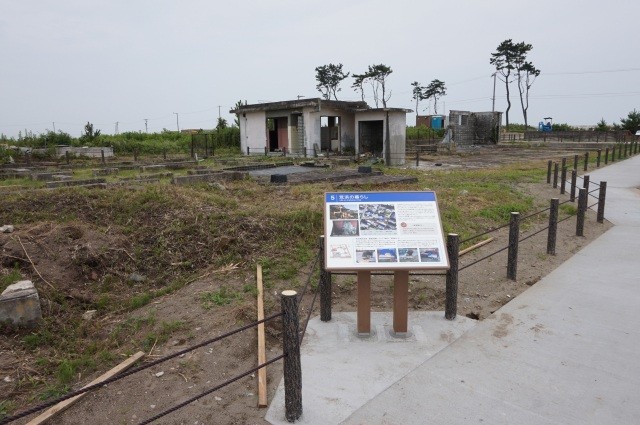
point(308, 126)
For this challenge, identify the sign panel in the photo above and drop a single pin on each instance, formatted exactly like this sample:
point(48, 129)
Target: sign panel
point(383, 231)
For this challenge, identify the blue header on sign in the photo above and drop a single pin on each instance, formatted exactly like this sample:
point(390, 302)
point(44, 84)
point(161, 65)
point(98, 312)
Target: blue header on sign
point(380, 197)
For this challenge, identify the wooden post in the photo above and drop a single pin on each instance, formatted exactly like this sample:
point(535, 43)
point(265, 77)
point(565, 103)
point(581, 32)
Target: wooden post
point(262, 356)
point(601, 198)
point(626, 146)
point(555, 175)
point(266, 151)
point(575, 162)
point(364, 302)
point(549, 164)
point(248, 151)
point(553, 227)
point(451, 300)
point(585, 182)
point(606, 156)
point(102, 155)
point(27, 157)
point(613, 154)
point(417, 156)
point(574, 178)
point(324, 285)
point(586, 160)
point(512, 258)
point(291, 346)
point(400, 301)
point(619, 151)
point(582, 209)
point(564, 162)
point(563, 180)
point(164, 153)
point(66, 154)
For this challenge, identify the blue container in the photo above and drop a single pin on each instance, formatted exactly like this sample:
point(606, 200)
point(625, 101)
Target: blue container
point(437, 122)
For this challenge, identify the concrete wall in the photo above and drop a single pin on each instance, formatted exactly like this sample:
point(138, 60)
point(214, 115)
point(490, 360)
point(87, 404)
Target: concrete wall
point(470, 128)
point(397, 133)
point(253, 131)
point(90, 152)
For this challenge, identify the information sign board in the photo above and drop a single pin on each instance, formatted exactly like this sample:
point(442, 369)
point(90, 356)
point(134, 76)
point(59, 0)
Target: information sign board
point(383, 231)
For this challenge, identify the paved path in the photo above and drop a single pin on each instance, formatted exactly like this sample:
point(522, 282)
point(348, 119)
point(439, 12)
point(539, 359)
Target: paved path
point(564, 352)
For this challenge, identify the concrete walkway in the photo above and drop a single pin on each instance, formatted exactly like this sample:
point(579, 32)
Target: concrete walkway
point(564, 352)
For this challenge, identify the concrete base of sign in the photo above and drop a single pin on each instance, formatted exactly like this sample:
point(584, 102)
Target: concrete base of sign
point(342, 370)
point(20, 304)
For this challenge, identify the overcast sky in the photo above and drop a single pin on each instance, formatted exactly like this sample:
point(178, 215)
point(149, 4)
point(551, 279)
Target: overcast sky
point(73, 61)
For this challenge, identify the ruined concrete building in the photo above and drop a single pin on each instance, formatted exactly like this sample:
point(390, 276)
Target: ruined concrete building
point(475, 128)
point(310, 126)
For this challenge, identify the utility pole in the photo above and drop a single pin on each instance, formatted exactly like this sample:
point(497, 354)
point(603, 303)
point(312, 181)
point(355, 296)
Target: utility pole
point(117, 126)
point(146, 129)
point(493, 99)
point(177, 122)
point(54, 126)
point(299, 96)
point(219, 112)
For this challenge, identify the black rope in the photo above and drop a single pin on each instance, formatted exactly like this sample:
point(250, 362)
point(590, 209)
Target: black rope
point(306, 285)
point(304, 330)
point(216, 388)
point(594, 190)
point(593, 196)
point(535, 213)
point(484, 233)
point(565, 202)
point(132, 371)
point(483, 258)
point(593, 205)
point(533, 234)
point(564, 219)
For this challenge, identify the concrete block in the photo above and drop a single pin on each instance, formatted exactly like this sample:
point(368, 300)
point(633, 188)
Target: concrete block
point(20, 304)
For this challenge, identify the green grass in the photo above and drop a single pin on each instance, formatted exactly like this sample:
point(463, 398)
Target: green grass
point(222, 296)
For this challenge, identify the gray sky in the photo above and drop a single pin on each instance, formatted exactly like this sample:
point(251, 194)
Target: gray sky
point(73, 61)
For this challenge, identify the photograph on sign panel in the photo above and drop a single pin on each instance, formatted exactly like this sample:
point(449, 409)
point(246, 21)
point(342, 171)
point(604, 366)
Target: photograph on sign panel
point(429, 255)
point(387, 255)
point(339, 251)
point(366, 256)
point(344, 228)
point(343, 212)
point(408, 255)
point(377, 219)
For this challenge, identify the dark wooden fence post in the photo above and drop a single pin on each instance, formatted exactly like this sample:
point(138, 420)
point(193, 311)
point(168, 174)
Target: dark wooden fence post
point(553, 227)
point(564, 162)
point(598, 158)
point(248, 151)
point(613, 153)
point(102, 156)
point(585, 182)
point(575, 162)
point(586, 161)
point(266, 151)
point(291, 348)
point(417, 156)
point(626, 146)
point(601, 198)
point(549, 164)
point(574, 178)
point(555, 175)
point(514, 234)
point(451, 301)
point(619, 151)
point(325, 286)
point(582, 209)
point(563, 180)
point(606, 156)
point(66, 154)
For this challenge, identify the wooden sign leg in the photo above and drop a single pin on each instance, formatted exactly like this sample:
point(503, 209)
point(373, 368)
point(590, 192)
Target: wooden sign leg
point(400, 301)
point(364, 302)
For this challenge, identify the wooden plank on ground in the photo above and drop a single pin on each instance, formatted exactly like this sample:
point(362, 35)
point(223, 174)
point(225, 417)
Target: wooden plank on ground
point(262, 357)
point(476, 246)
point(52, 411)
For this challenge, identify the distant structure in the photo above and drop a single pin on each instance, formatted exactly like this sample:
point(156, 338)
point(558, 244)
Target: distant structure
point(475, 128)
point(437, 122)
point(311, 126)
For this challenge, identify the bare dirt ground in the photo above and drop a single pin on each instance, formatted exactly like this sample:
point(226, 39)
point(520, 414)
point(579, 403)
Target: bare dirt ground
point(483, 288)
